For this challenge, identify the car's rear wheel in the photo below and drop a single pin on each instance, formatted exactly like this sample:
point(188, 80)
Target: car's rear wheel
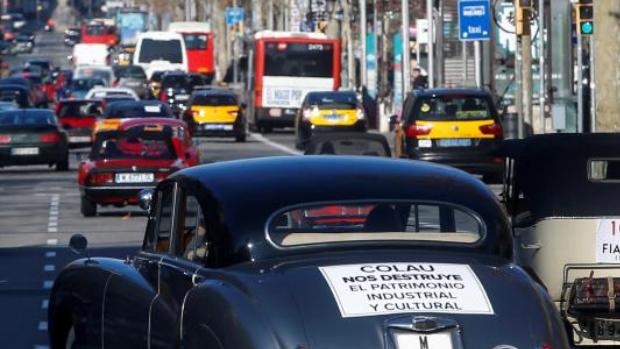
point(87, 207)
point(63, 165)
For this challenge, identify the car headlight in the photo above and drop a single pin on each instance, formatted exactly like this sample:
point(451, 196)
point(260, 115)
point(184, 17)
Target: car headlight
point(360, 114)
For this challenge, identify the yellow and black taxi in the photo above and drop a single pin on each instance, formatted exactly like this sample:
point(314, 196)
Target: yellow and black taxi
point(457, 127)
point(328, 111)
point(216, 112)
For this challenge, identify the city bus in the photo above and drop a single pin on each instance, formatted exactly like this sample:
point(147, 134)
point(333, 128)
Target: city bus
point(99, 31)
point(198, 45)
point(285, 67)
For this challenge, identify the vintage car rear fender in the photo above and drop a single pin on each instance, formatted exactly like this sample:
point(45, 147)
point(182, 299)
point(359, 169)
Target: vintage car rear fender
point(291, 303)
point(78, 294)
point(220, 315)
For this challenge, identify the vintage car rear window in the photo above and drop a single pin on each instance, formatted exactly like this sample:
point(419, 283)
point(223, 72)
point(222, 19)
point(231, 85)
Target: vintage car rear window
point(350, 222)
point(134, 145)
point(449, 108)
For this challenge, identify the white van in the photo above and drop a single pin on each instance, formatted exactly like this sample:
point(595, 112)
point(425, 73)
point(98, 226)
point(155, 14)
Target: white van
point(90, 54)
point(161, 50)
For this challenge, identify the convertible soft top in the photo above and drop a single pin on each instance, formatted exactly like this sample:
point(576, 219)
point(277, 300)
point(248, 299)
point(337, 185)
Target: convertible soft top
point(552, 172)
point(250, 191)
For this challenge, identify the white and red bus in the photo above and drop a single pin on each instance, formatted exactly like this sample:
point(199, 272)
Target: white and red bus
point(286, 66)
point(198, 45)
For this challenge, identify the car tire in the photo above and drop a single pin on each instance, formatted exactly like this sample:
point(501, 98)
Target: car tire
point(240, 138)
point(63, 165)
point(87, 207)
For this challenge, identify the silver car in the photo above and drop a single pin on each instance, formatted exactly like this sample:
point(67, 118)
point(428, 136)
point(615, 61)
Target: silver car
point(133, 77)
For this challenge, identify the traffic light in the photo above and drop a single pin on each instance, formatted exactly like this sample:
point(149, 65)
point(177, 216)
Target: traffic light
point(585, 17)
point(522, 12)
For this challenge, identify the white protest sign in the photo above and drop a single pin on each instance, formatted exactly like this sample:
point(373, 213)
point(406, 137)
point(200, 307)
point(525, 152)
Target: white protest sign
point(391, 288)
point(608, 241)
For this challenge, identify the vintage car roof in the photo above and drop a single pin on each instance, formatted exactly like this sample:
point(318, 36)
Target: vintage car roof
point(319, 138)
point(552, 172)
point(250, 191)
point(450, 91)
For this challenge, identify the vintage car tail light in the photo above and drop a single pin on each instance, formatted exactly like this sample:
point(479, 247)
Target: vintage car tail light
point(49, 138)
point(160, 176)
point(492, 129)
point(5, 139)
point(100, 178)
point(417, 130)
point(163, 96)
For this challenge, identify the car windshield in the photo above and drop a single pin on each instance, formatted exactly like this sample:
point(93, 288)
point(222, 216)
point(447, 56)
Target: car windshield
point(103, 74)
point(80, 109)
point(97, 29)
point(348, 222)
point(451, 108)
point(333, 100)
point(195, 41)
point(161, 50)
point(174, 81)
point(9, 118)
point(134, 72)
point(85, 84)
point(137, 111)
point(134, 145)
point(214, 100)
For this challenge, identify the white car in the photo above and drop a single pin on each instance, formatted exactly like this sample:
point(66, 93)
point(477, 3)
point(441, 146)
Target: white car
point(161, 49)
point(95, 71)
point(90, 54)
point(111, 92)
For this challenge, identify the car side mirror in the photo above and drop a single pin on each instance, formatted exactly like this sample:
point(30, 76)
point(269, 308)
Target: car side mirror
point(244, 105)
point(145, 198)
point(78, 244)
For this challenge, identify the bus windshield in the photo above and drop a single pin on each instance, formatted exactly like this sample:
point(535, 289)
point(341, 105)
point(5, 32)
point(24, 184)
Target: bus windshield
point(195, 41)
point(312, 60)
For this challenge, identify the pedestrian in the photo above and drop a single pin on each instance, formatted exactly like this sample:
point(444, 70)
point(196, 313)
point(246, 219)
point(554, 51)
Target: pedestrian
point(420, 81)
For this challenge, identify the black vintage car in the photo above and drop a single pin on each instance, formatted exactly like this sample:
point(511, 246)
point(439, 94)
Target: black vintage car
point(32, 137)
point(259, 254)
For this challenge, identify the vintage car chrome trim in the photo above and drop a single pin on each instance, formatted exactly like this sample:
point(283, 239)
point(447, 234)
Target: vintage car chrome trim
point(476, 216)
point(425, 325)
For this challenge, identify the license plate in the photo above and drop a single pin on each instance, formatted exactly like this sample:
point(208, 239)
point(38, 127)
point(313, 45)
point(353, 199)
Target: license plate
point(25, 151)
point(605, 330)
point(441, 340)
point(425, 143)
point(218, 127)
point(457, 142)
point(79, 139)
point(181, 97)
point(334, 117)
point(134, 178)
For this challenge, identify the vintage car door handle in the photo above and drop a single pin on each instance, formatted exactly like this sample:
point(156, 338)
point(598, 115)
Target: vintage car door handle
point(533, 246)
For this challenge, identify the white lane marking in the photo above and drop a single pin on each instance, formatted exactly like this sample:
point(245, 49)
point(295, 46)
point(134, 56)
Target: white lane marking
point(47, 284)
point(52, 225)
point(52, 241)
point(280, 147)
point(42, 326)
point(50, 254)
point(49, 267)
point(45, 304)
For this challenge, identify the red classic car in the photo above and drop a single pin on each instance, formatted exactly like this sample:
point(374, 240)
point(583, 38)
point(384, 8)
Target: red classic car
point(138, 155)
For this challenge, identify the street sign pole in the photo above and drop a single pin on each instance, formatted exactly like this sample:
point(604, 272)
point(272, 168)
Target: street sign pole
point(431, 43)
point(406, 59)
point(363, 31)
point(579, 84)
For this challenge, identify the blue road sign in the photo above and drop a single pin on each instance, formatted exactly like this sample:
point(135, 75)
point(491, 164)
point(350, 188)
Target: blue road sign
point(474, 20)
point(234, 15)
